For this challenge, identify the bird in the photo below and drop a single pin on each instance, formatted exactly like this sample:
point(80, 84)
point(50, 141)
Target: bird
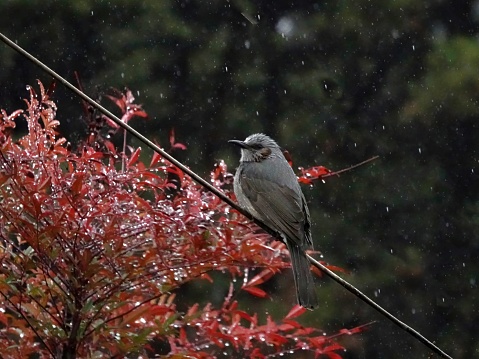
point(267, 187)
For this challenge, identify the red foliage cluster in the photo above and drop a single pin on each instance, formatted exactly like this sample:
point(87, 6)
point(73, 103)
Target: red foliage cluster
point(309, 175)
point(91, 255)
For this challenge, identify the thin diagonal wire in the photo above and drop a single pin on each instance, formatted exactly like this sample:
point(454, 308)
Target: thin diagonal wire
point(223, 197)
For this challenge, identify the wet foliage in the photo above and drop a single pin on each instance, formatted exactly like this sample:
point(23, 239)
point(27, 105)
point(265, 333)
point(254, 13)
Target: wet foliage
point(95, 243)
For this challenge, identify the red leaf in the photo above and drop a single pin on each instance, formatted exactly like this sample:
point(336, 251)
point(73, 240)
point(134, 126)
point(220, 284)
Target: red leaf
point(173, 142)
point(206, 277)
point(336, 268)
point(179, 146)
point(140, 113)
point(333, 355)
point(313, 173)
point(276, 338)
point(193, 309)
point(355, 330)
point(110, 146)
point(77, 184)
point(159, 310)
point(134, 315)
point(246, 316)
point(289, 324)
point(120, 102)
point(332, 347)
point(256, 354)
point(256, 291)
point(183, 338)
point(155, 159)
point(134, 157)
point(295, 312)
point(305, 180)
point(260, 278)
point(172, 137)
point(45, 183)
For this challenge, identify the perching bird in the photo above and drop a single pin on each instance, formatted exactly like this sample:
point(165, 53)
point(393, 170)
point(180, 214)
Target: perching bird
point(267, 187)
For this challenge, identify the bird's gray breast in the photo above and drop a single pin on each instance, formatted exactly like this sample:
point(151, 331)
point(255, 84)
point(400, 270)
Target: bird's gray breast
point(270, 191)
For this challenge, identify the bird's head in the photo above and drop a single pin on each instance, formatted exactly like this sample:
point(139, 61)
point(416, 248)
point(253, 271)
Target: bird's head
point(257, 148)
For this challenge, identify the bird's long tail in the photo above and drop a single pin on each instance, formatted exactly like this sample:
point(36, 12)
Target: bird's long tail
point(303, 278)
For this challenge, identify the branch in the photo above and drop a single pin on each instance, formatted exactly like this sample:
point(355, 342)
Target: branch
point(221, 195)
point(337, 173)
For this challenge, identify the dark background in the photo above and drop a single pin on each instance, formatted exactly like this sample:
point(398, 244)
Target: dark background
point(334, 82)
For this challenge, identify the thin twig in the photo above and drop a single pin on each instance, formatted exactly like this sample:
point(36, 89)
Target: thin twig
point(224, 197)
point(337, 173)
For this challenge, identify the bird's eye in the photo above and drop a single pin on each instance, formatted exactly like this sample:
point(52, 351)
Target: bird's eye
point(256, 146)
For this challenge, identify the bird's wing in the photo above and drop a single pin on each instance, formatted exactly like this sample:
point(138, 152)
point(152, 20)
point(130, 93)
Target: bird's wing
point(278, 202)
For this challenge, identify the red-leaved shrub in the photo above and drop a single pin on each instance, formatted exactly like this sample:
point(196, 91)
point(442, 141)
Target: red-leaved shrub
point(91, 253)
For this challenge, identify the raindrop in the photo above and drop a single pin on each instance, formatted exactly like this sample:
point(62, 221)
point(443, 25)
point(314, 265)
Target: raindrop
point(419, 149)
point(247, 44)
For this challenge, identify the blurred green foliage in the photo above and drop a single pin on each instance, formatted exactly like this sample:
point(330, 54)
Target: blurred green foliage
point(335, 82)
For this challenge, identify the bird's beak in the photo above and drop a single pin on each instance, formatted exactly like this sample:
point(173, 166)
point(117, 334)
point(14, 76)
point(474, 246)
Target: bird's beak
point(239, 143)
